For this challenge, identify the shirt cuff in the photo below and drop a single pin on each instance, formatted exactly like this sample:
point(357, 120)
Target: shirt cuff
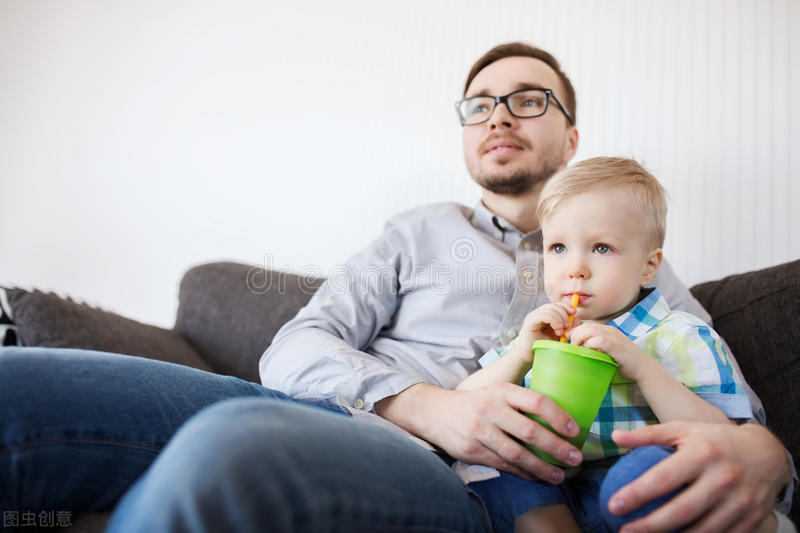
point(489, 357)
point(785, 502)
point(735, 406)
point(784, 524)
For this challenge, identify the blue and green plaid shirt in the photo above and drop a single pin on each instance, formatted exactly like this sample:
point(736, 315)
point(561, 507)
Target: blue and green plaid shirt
point(686, 346)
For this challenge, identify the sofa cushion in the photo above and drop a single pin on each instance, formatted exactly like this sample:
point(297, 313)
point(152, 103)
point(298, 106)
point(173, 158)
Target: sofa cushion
point(44, 319)
point(756, 313)
point(229, 312)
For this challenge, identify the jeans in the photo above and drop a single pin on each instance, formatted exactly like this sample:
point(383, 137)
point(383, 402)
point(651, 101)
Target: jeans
point(78, 428)
point(587, 493)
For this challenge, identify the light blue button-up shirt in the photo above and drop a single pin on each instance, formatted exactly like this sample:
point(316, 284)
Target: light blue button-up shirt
point(441, 286)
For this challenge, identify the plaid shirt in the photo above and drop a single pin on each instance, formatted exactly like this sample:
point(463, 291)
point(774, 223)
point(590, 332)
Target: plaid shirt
point(685, 345)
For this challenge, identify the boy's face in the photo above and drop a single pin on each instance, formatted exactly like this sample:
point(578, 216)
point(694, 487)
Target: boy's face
point(595, 245)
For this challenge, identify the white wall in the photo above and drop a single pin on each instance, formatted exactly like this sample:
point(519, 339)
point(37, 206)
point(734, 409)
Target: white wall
point(140, 138)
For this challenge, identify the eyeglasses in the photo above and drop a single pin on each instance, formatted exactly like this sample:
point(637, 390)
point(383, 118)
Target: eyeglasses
point(524, 103)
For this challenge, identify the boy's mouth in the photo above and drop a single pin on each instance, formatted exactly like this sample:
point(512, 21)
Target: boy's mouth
point(581, 295)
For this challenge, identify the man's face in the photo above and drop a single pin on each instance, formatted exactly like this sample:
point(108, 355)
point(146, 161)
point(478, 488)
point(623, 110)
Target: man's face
point(509, 155)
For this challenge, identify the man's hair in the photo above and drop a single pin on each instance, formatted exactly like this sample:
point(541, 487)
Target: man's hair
point(518, 49)
point(605, 173)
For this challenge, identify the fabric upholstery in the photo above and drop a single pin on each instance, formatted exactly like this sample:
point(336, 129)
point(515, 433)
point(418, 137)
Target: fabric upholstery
point(757, 314)
point(229, 312)
point(44, 319)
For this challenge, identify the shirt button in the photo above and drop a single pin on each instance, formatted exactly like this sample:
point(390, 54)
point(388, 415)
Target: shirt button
point(359, 403)
point(498, 235)
point(511, 333)
point(527, 245)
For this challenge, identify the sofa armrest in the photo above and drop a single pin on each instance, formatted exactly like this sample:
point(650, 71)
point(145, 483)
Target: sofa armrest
point(44, 319)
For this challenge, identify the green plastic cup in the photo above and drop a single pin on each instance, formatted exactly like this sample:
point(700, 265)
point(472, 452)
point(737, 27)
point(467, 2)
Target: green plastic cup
point(574, 377)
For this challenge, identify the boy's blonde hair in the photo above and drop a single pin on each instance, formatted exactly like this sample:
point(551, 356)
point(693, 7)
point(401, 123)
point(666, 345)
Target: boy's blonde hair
point(607, 172)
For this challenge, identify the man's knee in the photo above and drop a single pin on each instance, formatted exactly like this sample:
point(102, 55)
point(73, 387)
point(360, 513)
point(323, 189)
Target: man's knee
point(251, 451)
point(242, 462)
point(252, 430)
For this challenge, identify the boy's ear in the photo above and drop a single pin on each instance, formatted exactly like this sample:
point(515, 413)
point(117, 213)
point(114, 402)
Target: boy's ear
point(652, 266)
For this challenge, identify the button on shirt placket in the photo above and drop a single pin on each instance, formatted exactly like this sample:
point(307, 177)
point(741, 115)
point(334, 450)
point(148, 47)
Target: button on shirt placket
point(511, 239)
point(529, 290)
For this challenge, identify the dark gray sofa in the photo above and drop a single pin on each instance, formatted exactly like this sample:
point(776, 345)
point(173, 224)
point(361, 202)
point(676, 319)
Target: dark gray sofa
point(229, 312)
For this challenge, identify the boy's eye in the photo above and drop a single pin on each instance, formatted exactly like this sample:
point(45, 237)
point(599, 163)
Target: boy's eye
point(558, 248)
point(602, 249)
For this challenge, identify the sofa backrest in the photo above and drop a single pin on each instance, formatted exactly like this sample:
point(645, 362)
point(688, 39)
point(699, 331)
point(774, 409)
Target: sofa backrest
point(758, 315)
point(229, 312)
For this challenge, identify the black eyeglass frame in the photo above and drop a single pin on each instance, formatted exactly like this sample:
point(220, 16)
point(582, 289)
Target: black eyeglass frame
point(504, 100)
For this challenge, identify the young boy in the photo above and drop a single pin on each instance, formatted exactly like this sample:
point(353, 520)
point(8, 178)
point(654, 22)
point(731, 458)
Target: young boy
point(603, 223)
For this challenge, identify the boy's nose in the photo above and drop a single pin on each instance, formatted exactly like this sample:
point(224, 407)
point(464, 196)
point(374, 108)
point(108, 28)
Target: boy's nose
point(578, 270)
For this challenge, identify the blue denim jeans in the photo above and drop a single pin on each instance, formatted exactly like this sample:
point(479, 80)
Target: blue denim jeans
point(587, 493)
point(78, 428)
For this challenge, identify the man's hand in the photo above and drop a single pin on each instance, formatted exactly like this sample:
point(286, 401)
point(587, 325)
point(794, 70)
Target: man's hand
point(479, 426)
point(732, 474)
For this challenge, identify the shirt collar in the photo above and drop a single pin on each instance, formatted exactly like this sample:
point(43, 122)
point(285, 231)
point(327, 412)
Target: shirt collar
point(643, 316)
point(490, 223)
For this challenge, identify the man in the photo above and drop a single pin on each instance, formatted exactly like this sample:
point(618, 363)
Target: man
point(390, 349)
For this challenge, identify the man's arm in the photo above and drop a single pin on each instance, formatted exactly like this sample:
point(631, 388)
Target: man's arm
point(321, 352)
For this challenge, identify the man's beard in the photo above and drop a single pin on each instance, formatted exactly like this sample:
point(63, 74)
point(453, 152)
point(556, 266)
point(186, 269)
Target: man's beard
point(520, 181)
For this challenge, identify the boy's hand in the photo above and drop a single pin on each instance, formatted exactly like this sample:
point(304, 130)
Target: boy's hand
point(633, 361)
point(549, 322)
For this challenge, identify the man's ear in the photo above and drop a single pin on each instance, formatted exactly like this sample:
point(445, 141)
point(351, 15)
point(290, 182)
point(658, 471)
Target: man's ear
point(570, 145)
point(651, 268)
